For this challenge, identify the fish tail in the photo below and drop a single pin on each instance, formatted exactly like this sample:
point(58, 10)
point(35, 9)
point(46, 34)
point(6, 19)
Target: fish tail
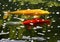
point(6, 14)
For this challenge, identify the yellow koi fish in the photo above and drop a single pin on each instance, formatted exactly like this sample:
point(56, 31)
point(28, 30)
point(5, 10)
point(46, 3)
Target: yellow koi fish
point(26, 12)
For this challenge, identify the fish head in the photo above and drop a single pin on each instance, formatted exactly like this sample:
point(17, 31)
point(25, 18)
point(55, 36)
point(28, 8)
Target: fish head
point(45, 12)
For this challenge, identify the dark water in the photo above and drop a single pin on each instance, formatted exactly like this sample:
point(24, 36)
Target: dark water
point(54, 29)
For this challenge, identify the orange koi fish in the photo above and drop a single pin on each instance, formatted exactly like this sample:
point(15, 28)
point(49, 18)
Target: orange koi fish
point(26, 12)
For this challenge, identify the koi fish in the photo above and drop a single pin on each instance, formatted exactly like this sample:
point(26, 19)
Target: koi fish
point(35, 22)
point(26, 12)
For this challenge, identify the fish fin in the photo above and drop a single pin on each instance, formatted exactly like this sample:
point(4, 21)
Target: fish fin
point(36, 16)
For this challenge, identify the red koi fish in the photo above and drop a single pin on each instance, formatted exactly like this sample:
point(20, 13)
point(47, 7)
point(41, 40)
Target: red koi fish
point(36, 22)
